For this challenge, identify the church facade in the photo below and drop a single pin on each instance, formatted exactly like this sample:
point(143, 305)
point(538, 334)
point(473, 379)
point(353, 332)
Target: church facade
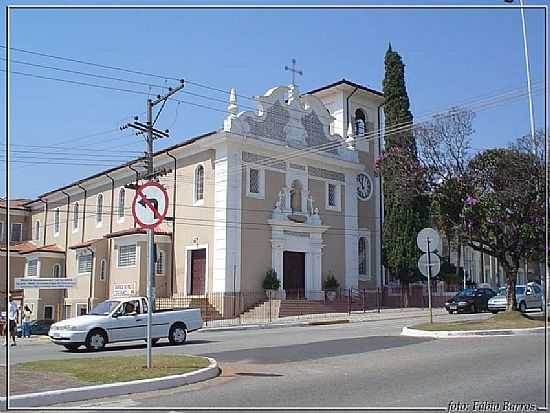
point(289, 186)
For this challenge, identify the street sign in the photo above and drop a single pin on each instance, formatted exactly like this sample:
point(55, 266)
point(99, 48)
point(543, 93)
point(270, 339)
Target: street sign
point(431, 235)
point(44, 283)
point(150, 205)
point(435, 263)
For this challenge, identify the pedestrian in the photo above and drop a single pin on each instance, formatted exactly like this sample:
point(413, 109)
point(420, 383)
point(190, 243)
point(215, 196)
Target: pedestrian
point(13, 312)
point(27, 313)
point(2, 326)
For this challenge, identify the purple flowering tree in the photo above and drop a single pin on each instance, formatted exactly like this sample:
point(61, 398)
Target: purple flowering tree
point(504, 209)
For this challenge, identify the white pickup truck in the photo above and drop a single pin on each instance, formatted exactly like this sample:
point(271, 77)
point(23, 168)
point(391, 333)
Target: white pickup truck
point(123, 319)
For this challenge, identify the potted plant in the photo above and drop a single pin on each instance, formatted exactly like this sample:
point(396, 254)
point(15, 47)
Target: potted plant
point(330, 285)
point(271, 283)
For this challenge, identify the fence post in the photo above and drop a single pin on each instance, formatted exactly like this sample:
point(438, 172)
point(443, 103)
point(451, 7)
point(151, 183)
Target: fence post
point(349, 301)
point(378, 299)
point(269, 306)
point(364, 300)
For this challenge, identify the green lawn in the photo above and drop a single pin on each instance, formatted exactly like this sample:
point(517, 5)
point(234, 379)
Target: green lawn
point(499, 321)
point(101, 370)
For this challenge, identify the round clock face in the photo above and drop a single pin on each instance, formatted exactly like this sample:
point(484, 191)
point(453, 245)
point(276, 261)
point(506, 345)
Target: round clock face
point(364, 186)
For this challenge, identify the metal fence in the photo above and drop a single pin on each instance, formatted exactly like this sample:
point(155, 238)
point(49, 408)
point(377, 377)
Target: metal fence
point(258, 307)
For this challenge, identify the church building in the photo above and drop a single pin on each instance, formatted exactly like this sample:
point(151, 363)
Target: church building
point(289, 186)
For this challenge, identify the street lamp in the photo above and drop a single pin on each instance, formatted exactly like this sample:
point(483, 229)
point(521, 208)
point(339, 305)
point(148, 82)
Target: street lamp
point(528, 72)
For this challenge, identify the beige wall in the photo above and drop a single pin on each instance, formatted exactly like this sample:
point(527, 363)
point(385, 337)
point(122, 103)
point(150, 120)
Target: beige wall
point(192, 222)
point(334, 253)
point(256, 232)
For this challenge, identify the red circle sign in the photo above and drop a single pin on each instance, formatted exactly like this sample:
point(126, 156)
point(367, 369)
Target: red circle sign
point(150, 205)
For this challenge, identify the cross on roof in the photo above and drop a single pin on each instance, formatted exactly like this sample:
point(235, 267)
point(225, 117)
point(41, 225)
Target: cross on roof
point(294, 71)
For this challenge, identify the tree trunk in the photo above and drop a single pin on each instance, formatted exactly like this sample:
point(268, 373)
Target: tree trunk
point(511, 304)
point(458, 255)
point(405, 293)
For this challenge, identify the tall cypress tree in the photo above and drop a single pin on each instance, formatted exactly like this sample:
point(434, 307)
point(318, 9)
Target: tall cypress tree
point(403, 217)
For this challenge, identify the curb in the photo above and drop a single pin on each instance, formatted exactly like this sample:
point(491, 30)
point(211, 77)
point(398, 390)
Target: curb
point(412, 332)
point(113, 389)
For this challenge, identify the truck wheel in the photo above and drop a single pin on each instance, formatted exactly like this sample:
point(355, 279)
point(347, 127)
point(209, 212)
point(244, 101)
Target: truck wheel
point(71, 347)
point(178, 334)
point(96, 340)
point(522, 307)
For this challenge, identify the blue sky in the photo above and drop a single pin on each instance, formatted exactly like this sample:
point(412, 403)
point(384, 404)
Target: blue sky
point(451, 56)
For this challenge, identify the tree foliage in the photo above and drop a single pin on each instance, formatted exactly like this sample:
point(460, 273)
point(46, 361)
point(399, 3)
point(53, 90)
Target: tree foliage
point(504, 210)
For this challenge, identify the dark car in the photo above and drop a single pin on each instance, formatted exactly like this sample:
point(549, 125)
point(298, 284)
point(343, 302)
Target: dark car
point(470, 300)
point(38, 328)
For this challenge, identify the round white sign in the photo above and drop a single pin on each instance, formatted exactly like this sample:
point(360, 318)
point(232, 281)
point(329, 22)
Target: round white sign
point(435, 264)
point(428, 240)
point(150, 205)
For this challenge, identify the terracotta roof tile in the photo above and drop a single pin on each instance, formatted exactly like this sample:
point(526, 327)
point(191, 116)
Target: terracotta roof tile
point(46, 248)
point(14, 203)
point(85, 244)
point(20, 247)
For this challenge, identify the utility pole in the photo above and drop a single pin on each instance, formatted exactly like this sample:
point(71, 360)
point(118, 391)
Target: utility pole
point(151, 175)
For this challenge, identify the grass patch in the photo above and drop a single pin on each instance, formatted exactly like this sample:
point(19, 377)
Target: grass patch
point(103, 370)
point(504, 320)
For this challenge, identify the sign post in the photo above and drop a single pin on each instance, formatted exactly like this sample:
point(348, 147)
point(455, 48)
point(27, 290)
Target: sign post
point(149, 209)
point(429, 264)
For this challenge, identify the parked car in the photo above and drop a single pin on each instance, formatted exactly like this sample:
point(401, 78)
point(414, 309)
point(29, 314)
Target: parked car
point(38, 328)
point(527, 297)
point(124, 319)
point(470, 300)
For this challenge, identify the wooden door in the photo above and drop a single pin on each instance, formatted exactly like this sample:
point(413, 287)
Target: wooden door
point(294, 276)
point(198, 271)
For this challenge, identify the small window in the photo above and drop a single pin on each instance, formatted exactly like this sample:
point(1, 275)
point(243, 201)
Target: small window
point(56, 222)
point(126, 255)
point(75, 216)
point(16, 232)
point(121, 203)
point(199, 183)
point(362, 256)
point(103, 270)
point(48, 312)
point(254, 181)
point(332, 195)
point(56, 271)
point(85, 263)
point(1, 231)
point(99, 209)
point(160, 263)
point(37, 231)
point(32, 268)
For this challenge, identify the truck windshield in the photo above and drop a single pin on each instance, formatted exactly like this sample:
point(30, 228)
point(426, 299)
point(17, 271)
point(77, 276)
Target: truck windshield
point(105, 307)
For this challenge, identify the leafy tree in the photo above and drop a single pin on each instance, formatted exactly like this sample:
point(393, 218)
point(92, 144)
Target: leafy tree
point(405, 212)
point(504, 210)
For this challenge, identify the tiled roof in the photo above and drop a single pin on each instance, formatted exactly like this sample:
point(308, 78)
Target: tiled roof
point(14, 203)
point(85, 244)
point(349, 83)
point(133, 231)
point(20, 247)
point(46, 248)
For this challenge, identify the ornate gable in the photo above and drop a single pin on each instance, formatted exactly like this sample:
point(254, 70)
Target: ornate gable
point(284, 117)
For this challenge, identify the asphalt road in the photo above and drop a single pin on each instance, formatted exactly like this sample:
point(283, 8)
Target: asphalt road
point(359, 364)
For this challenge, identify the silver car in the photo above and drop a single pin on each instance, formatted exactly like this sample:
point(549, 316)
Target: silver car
point(527, 297)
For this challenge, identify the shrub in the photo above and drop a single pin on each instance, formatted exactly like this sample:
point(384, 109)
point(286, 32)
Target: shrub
point(330, 283)
point(271, 282)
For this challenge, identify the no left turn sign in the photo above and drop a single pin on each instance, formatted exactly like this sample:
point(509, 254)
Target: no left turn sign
point(150, 205)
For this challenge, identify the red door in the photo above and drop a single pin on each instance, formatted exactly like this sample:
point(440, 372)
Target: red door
point(198, 271)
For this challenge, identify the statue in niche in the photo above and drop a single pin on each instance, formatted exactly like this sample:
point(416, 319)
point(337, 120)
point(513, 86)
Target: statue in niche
point(309, 203)
point(296, 196)
point(281, 203)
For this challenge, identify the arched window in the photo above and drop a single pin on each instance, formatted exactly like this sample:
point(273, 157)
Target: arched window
point(199, 183)
point(75, 216)
point(56, 222)
point(296, 196)
point(99, 209)
point(56, 271)
point(360, 122)
point(160, 262)
point(103, 270)
point(37, 230)
point(362, 251)
point(121, 201)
